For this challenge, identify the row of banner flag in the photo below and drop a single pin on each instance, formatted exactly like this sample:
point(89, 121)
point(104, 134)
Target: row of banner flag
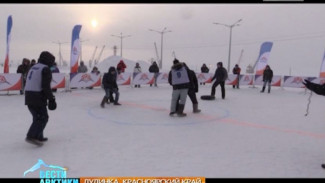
point(13, 81)
point(262, 61)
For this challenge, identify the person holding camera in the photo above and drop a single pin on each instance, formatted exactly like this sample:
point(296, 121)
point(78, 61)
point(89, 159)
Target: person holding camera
point(39, 96)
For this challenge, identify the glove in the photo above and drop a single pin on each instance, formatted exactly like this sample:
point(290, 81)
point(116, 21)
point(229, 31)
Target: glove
point(52, 104)
point(307, 83)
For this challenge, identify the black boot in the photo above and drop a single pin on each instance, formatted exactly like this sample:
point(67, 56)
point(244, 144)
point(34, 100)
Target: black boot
point(111, 98)
point(269, 90)
point(107, 101)
point(180, 110)
point(103, 102)
point(323, 166)
point(262, 91)
point(195, 108)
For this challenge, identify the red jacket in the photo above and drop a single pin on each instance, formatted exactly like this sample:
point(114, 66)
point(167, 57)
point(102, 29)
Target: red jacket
point(121, 66)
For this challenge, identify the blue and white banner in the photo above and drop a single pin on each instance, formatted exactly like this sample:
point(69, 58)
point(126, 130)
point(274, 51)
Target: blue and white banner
point(162, 78)
point(10, 81)
point(75, 49)
point(263, 57)
point(143, 78)
point(204, 77)
point(246, 79)
point(276, 80)
point(58, 80)
point(294, 81)
point(9, 26)
point(79, 80)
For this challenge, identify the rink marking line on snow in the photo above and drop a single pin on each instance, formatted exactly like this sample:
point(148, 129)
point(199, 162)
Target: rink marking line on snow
point(176, 122)
point(208, 118)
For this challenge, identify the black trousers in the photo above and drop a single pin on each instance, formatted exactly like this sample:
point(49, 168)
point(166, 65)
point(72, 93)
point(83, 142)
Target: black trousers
point(192, 96)
point(222, 85)
point(40, 119)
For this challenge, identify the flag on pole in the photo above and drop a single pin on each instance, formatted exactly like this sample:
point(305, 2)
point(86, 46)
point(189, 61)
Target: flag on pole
point(9, 26)
point(322, 68)
point(75, 49)
point(263, 57)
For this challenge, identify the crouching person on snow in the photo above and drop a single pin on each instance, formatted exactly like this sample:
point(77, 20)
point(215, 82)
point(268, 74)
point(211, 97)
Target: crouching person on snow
point(38, 95)
point(110, 85)
point(318, 89)
point(179, 79)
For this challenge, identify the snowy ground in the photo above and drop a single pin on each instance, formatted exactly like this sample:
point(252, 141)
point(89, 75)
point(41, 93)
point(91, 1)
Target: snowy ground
point(249, 134)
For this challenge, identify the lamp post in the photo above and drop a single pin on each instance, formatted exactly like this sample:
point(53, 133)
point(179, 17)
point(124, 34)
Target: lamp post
point(121, 37)
point(230, 28)
point(162, 37)
point(81, 48)
point(60, 54)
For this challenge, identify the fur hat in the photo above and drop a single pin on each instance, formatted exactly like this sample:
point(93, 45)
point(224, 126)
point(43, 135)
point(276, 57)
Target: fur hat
point(46, 58)
point(176, 61)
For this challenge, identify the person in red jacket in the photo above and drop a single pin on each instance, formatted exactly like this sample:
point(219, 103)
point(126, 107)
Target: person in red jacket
point(236, 71)
point(120, 67)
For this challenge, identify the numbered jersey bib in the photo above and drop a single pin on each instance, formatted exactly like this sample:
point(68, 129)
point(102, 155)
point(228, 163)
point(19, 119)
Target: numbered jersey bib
point(34, 78)
point(180, 76)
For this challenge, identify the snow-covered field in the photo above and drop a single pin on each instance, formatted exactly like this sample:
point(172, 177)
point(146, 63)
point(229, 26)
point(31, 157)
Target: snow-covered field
point(249, 134)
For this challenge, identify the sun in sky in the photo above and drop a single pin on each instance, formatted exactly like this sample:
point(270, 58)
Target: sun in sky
point(94, 22)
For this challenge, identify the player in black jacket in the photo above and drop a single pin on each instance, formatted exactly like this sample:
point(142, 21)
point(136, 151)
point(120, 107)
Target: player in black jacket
point(110, 86)
point(38, 94)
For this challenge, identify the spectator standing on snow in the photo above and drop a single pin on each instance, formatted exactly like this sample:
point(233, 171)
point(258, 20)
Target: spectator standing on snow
point(121, 67)
point(154, 69)
point(82, 67)
point(236, 70)
point(137, 70)
point(23, 69)
point(267, 78)
point(33, 62)
point(220, 76)
point(38, 95)
point(204, 69)
point(95, 71)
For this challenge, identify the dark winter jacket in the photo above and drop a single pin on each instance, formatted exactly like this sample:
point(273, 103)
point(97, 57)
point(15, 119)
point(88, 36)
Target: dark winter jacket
point(23, 68)
point(154, 68)
point(317, 88)
point(236, 70)
point(82, 68)
point(39, 98)
point(176, 67)
point(220, 74)
point(109, 79)
point(204, 69)
point(267, 75)
point(194, 85)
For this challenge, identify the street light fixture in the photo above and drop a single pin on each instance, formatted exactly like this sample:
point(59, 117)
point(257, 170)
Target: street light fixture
point(230, 28)
point(81, 41)
point(121, 37)
point(162, 37)
point(60, 54)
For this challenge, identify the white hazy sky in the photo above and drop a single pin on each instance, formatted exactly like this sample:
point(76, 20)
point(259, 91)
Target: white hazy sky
point(297, 31)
